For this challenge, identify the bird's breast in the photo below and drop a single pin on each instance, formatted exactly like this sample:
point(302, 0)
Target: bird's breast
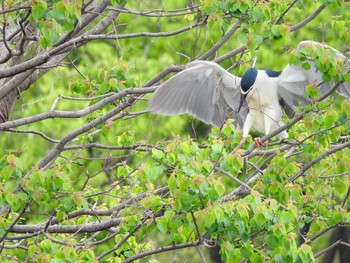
point(263, 93)
point(255, 99)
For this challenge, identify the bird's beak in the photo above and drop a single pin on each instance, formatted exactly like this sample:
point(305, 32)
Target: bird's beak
point(240, 103)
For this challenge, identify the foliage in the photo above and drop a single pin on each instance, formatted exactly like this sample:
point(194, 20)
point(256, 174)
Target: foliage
point(86, 176)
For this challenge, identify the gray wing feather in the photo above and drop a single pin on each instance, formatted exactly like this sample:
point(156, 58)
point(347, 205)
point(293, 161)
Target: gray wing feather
point(204, 90)
point(292, 86)
point(294, 79)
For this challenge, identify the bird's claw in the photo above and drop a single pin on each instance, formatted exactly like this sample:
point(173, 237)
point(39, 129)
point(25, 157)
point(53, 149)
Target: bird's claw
point(258, 143)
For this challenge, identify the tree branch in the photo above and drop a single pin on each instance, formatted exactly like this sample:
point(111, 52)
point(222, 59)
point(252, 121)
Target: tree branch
point(45, 57)
point(316, 160)
point(77, 113)
point(308, 19)
point(161, 250)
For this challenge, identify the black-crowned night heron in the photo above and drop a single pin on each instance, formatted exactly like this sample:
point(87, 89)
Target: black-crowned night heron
point(207, 91)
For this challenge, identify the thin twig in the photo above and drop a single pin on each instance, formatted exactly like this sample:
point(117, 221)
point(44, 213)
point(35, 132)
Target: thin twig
point(14, 223)
point(41, 134)
point(162, 249)
point(123, 240)
point(316, 160)
point(233, 178)
point(9, 10)
point(335, 244)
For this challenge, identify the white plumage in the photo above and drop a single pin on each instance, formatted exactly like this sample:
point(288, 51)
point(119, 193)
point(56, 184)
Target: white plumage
point(265, 113)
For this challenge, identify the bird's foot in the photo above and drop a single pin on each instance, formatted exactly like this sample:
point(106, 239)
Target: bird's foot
point(258, 143)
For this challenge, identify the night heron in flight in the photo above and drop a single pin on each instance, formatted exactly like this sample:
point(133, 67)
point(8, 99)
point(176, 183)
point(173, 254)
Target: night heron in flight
point(207, 91)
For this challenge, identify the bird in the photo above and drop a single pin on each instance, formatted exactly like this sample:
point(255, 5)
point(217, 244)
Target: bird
point(256, 100)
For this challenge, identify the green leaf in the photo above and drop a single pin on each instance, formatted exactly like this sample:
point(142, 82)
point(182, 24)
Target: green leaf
point(185, 147)
point(219, 187)
point(154, 173)
point(233, 162)
point(209, 219)
point(306, 254)
point(104, 88)
point(217, 148)
point(117, 2)
point(172, 182)
point(341, 186)
point(347, 77)
point(228, 130)
point(275, 29)
point(79, 200)
point(260, 219)
point(48, 246)
point(157, 154)
point(207, 166)
point(272, 241)
point(153, 202)
point(326, 77)
point(32, 249)
point(335, 219)
point(39, 8)
point(246, 252)
point(306, 66)
point(258, 13)
point(273, 188)
point(209, 9)
point(287, 217)
point(6, 173)
point(13, 200)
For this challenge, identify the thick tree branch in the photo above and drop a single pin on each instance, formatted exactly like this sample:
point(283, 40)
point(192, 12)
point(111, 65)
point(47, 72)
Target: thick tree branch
point(74, 114)
point(69, 229)
point(43, 58)
point(159, 12)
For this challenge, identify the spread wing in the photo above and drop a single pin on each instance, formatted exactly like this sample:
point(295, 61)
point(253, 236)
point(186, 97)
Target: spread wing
point(204, 90)
point(294, 78)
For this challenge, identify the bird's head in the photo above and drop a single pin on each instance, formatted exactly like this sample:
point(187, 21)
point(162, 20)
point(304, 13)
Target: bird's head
point(247, 82)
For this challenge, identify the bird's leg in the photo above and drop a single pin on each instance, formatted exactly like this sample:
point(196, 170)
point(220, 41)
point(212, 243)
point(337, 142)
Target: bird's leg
point(258, 143)
point(239, 145)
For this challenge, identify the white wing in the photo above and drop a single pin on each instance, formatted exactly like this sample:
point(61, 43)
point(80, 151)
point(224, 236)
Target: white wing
point(294, 79)
point(204, 90)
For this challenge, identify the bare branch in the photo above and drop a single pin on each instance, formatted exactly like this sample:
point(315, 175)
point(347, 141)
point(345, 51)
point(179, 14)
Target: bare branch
point(232, 177)
point(316, 160)
point(9, 10)
point(162, 249)
point(159, 12)
point(222, 41)
point(320, 233)
point(76, 113)
point(85, 228)
point(41, 134)
point(103, 225)
point(137, 147)
point(335, 244)
point(10, 228)
point(45, 57)
point(308, 19)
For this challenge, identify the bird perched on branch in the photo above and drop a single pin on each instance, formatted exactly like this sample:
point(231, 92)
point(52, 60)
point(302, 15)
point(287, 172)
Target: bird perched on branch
point(207, 91)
